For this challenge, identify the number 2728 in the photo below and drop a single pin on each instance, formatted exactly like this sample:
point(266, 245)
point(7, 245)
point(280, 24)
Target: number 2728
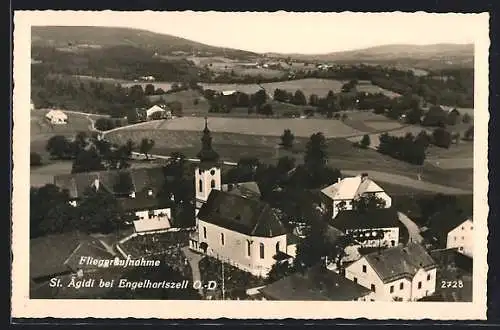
point(452, 284)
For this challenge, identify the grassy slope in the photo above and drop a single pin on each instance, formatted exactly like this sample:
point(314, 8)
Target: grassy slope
point(113, 36)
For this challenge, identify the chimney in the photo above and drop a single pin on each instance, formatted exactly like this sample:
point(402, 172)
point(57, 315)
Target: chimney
point(364, 176)
point(339, 179)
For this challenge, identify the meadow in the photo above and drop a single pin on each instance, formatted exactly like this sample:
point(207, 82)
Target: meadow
point(342, 154)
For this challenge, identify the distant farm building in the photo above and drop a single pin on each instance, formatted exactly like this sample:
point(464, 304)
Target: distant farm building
point(148, 78)
point(157, 112)
point(56, 117)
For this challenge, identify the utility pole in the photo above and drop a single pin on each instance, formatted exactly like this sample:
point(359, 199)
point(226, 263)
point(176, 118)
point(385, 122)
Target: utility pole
point(223, 284)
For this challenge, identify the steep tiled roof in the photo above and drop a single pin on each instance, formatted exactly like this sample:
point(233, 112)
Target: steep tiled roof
point(366, 219)
point(317, 284)
point(350, 188)
point(400, 262)
point(140, 179)
point(246, 189)
point(244, 215)
point(56, 254)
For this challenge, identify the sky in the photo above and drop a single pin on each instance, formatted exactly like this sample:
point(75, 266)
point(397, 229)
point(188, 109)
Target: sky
point(284, 32)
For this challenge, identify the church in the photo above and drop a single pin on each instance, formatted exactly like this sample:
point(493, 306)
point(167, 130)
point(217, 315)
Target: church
point(232, 224)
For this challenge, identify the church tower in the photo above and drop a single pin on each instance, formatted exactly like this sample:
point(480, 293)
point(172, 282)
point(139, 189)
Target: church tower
point(208, 172)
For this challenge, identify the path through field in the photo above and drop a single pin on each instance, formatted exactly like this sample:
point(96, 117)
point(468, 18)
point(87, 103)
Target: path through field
point(413, 229)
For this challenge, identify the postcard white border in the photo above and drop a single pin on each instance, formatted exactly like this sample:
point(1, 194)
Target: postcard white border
point(22, 306)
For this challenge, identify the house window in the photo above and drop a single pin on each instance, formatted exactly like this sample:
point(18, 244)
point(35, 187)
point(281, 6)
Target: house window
point(204, 232)
point(391, 289)
point(462, 238)
point(212, 184)
point(462, 227)
point(455, 238)
point(364, 268)
point(373, 287)
point(393, 243)
point(222, 238)
point(277, 247)
point(355, 280)
point(200, 185)
point(199, 171)
point(471, 227)
point(401, 286)
point(151, 214)
point(419, 285)
point(248, 249)
point(428, 277)
point(461, 248)
point(261, 246)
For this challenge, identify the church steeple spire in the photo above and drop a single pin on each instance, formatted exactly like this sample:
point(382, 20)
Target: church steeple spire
point(207, 154)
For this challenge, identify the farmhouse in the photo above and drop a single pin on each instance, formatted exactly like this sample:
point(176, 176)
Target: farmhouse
point(149, 214)
point(342, 194)
point(56, 117)
point(56, 255)
point(370, 228)
point(155, 112)
point(452, 231)
point(130, 183)
point(236, 228)
point(398, 273)
point(316, 284)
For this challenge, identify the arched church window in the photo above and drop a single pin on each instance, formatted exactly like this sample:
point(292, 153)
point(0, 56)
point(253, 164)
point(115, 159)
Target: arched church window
point(200, 185)
point(212, 172)
point(212, 183)
point(261, 245)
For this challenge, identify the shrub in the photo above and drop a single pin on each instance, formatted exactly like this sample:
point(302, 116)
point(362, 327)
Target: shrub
point(441, 138)
point(35, 159)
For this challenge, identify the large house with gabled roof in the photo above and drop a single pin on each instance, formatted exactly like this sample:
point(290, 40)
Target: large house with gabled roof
point(404, 273)
point(342, 194)
point(232, 223)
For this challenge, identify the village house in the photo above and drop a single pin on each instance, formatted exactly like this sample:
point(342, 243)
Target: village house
point(236, 228)
point(137, 191)
point(371, 227)
point(57, 255)
point(157, 112)
point(316, 284)
point(462, 237)
point(56, 117)
point(396, 274)
point(341, 195)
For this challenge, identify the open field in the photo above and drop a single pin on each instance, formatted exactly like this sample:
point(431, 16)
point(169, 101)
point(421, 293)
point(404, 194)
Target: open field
point(368, 87)
point(342, 155)
point(260, 126)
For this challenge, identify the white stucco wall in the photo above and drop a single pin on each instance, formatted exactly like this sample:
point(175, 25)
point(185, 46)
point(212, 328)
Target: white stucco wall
point(390, 235)
point(409, 290)
point(234, 250)
point(206, 177)
point(163, 213)
point(462, 237)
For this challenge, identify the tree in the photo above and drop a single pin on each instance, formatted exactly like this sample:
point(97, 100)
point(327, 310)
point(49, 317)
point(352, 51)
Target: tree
point(99, 212)
point(315, 156)
point(35, 159)
point(104, 124)
point(45, 210)
point(441, 138)
point(287, 139)
point(368, 202)
point(59, 147)
point(365, 141)
point(299, 98)
point(87, 161)
point(149, 89)
point(413, 116)
point(146, 146)
point(278, 271)
point(423, 138)
point(266, 109)
point(129, 147)
point(176, 108)
point(313, 100)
